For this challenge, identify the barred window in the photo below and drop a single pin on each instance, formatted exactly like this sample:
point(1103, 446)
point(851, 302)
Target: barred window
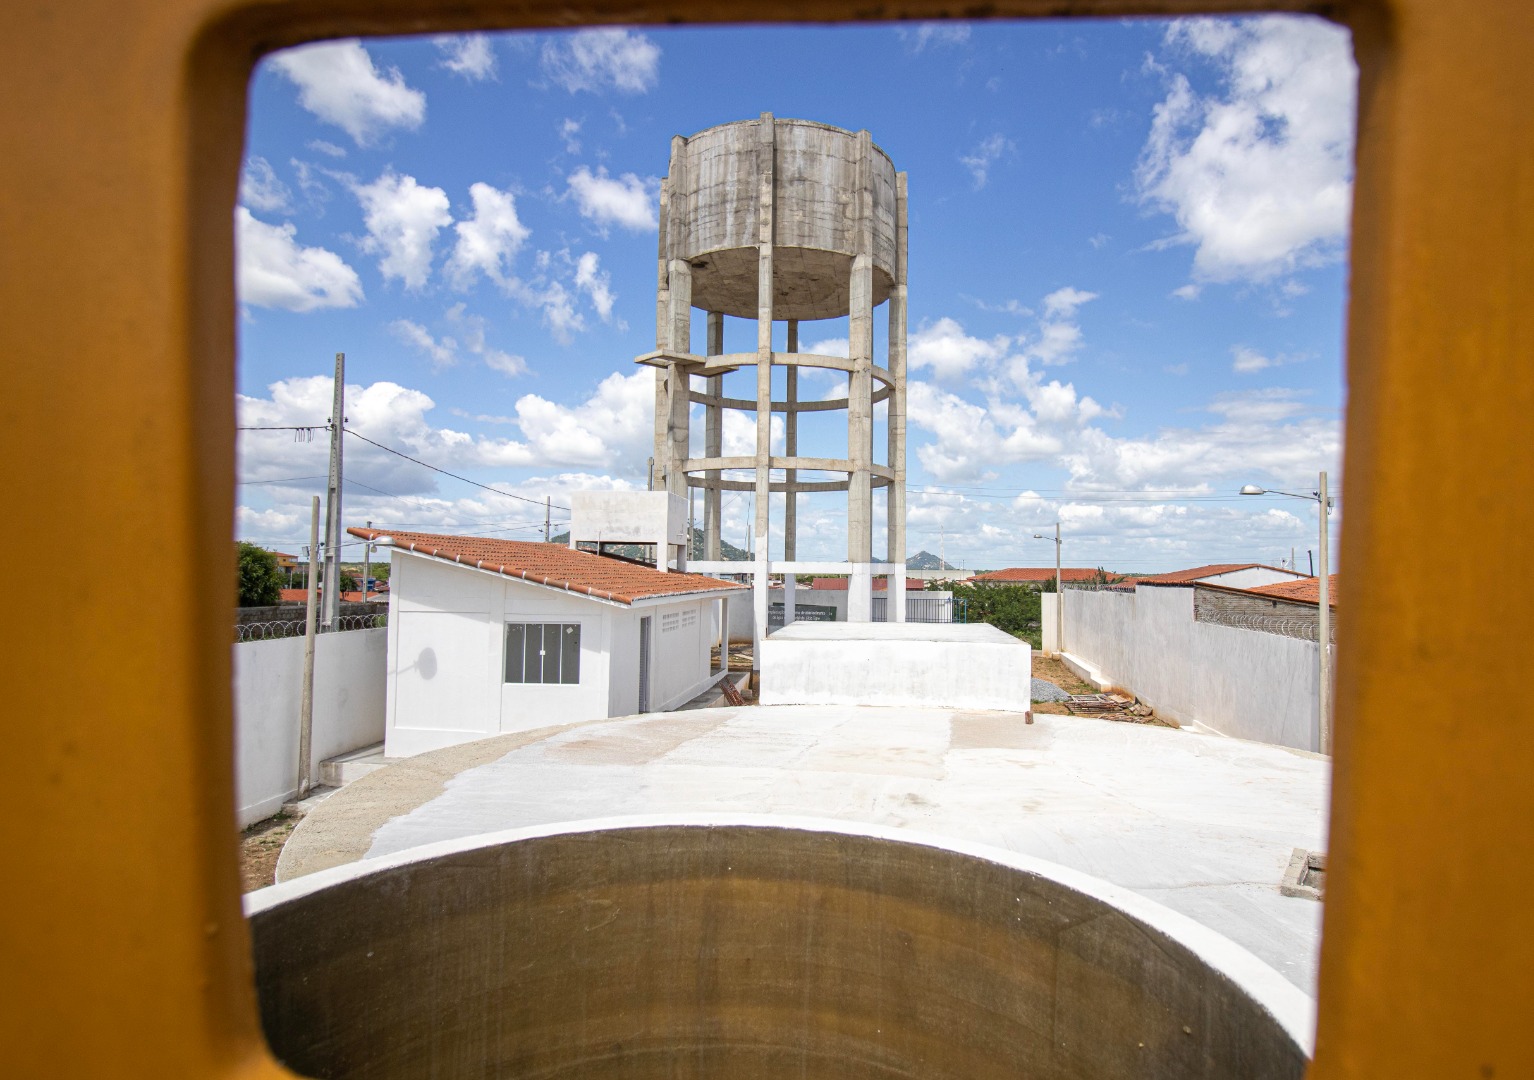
point(543, 652)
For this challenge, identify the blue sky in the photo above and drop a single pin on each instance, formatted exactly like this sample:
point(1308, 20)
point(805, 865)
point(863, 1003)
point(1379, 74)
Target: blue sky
point(1127, 273)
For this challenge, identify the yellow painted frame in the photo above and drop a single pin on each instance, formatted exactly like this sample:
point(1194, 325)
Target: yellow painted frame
point(121, 940)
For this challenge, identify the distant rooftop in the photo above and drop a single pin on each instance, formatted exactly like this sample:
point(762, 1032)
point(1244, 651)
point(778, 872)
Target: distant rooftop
point(1306, 589)
point(1038, 573)
point(553, 565)
point(1198, 573)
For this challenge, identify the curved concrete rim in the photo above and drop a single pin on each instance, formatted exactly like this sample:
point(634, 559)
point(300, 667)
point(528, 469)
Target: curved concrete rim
point(1290, 1007)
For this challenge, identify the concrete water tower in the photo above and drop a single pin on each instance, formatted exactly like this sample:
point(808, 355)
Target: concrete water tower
point(784, 221)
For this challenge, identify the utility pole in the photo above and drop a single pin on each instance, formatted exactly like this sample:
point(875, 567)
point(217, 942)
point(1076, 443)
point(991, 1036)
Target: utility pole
point(367, 550)
point(1324, 623)
point(1059, 597)
point(306, 703)
point(333, 499)
point(548, 506)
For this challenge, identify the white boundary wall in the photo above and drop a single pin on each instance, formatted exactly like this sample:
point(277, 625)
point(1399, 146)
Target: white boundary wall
point(1243, 683)
point(268, 691)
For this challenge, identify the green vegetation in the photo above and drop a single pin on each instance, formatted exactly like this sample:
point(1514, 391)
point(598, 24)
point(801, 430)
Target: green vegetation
point(1006, 606)
point(258, 579)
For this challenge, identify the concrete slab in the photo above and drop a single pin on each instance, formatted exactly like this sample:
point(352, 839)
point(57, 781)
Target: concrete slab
point(1203, 825)
point(950, 665)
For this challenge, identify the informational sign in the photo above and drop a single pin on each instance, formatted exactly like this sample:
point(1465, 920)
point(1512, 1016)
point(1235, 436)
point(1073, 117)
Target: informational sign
point(802, 613)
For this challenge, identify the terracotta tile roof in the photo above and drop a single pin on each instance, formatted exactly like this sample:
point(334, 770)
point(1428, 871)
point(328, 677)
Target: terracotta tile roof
point(839, 584)
point(1198, 573)
point(553, 565)
point(299, 596)
point(1306, 589)
point(1037, 573)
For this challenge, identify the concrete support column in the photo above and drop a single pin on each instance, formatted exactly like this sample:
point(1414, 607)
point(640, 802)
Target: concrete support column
point(765, 167)
point(672, 229)
point(678, 382)
point(895, 510)
point(713, 441)
point(791, 449)
point(860, 410)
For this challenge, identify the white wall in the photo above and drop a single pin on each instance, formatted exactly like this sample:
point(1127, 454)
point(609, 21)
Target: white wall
point(1252, 577)
point(1243, 683)
point(268, 690)
point(941, 665)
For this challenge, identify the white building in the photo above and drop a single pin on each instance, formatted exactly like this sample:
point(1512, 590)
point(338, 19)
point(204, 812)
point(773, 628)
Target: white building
point(494, 636)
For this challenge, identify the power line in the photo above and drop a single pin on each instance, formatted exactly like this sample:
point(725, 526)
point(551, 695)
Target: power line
point(284, 480)
point(444, 472)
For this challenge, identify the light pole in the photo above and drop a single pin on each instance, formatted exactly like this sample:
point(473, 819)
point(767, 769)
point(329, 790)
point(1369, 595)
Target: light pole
point(1059, 593)
point(1323, 606)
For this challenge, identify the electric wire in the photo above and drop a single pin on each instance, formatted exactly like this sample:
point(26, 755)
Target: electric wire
point(444, 472)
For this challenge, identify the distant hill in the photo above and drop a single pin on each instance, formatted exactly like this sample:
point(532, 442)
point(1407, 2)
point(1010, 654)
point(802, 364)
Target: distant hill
point(925, 560)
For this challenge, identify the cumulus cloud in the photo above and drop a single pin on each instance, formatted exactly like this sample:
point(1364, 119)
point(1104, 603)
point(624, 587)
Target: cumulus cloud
point(469, 55)
point(968, 443)
point(627, 201)
point(260, 188)
point(1062, 303)
point(403, 219)
point(273, 270)
point(948, 352)
point(595, 283)
point(979, 160)
point(472, 329)
point(338, 82)
point(598, 60)
point(441, 354)
point(1259, 174)
point(488, 241)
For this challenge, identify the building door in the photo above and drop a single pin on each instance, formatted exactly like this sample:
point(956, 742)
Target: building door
point(644, 664)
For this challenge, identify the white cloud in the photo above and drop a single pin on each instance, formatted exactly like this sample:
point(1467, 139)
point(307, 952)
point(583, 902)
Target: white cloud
point(597, 60)
point(488, 241)
point(1259, 175)
point(1246, 361)
point(441, 354)
point(738, 434)
point(612, 428)
point(1259, 433)
point(968, 444)
point(472, 328)
point(568, 130)
point(403, 219)
point(839, 346)
point(1187, 292)
point(469, 55)
point(338, 83)
point(260, 188)
point(274, 271)
point(627, 201)
point(949, 352)
point(918, 37)
point(1062, 303)
point(981, 158)
point(329, 149)
point(595, 283)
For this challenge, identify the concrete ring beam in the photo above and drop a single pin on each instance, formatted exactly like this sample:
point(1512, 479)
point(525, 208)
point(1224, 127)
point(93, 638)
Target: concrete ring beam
point(780, 486)
point(752, 947)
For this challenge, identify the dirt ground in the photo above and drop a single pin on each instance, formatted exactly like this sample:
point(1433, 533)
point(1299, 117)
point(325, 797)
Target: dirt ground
point(1048, 667)
point(259, 847)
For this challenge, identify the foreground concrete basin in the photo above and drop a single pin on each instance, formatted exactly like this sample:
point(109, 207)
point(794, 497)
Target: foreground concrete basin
point(743, 949)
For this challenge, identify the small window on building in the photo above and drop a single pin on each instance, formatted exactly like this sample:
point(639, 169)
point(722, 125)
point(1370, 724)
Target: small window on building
point(543, 652)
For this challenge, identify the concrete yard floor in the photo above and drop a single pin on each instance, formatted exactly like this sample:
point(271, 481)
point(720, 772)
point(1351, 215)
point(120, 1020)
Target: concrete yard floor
point(1202, 824)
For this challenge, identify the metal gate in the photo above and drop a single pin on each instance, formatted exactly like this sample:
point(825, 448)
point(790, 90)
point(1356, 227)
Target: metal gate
point(644, 664)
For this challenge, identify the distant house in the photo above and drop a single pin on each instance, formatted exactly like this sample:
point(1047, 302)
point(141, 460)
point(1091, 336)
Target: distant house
point(493, 636)
point(1230, 575)
point(286, 563)
point(881, 584)
point(1288, 607)
point(1037, 575)
point(1306, 590)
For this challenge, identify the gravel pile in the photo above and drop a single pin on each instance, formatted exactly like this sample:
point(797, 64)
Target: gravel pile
point(1044, 690)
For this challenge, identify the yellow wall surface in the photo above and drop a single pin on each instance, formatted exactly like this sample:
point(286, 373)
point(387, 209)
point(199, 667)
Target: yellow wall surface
point(122, 947)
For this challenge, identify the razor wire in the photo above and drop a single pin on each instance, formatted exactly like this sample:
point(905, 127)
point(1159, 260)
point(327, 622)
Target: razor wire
point(286, 628)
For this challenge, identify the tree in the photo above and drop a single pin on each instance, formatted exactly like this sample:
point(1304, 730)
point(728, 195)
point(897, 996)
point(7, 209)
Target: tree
point(349, 581)
point(259, 580)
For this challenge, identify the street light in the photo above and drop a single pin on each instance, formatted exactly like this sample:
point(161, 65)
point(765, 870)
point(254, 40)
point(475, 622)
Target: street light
point(1323, 607)
point(1059, 594)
